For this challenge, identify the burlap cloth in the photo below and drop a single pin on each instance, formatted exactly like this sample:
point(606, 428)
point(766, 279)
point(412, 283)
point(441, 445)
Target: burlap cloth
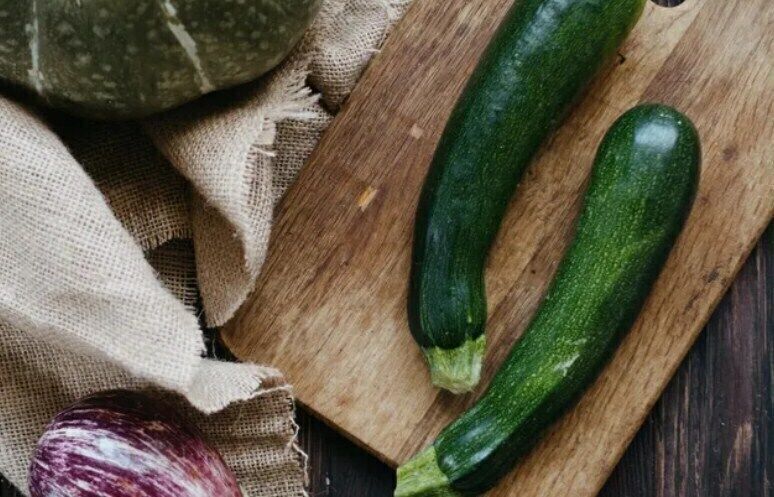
point(112, 235)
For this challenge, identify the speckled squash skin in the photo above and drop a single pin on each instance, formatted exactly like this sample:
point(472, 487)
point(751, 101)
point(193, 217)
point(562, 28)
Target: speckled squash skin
point(126, 444)
point(132, 58)
point(642, 187)
point(543, 56)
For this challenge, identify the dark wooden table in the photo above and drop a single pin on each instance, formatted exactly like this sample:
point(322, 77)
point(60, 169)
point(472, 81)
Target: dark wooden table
point(711, 434)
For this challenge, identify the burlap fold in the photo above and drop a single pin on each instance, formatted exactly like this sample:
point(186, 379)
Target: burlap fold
point(113, 234)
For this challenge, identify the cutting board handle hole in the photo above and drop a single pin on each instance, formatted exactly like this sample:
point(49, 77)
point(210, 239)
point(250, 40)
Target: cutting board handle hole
point(667, 3)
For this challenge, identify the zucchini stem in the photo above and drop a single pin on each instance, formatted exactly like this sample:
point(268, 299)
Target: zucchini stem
point(421, 477)
point(457, 370)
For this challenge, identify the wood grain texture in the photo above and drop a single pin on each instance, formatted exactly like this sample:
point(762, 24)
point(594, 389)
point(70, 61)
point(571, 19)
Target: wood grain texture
point(329, 309)
point(708, 436)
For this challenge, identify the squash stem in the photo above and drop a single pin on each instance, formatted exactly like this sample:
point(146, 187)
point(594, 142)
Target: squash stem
point(421, 477)
point(457, 370)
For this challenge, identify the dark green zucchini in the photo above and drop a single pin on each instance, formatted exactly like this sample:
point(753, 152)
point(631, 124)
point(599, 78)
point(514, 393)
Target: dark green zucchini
point(641, 190)
point(542, 57)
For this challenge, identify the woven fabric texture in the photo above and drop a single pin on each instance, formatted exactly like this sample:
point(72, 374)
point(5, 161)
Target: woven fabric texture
point(114, 235)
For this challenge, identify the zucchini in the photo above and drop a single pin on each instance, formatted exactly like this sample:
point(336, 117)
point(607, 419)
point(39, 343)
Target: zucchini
point(641, 190)
point(542, 57)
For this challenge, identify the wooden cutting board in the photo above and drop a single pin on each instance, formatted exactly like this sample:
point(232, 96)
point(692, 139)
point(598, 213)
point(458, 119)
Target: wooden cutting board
point(329, 309)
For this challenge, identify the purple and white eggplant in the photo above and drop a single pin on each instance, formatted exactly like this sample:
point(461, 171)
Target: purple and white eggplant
point(126, 444)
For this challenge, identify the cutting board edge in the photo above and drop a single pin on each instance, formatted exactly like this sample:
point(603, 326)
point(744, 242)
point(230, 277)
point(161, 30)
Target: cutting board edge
point(344, 433)
point(393, 464)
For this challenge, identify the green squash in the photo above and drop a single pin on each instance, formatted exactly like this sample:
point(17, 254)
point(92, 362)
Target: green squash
point(130, 58)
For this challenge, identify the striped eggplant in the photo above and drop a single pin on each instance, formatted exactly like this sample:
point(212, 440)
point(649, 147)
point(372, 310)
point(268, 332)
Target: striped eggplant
point(121, 59)
point(126, 444)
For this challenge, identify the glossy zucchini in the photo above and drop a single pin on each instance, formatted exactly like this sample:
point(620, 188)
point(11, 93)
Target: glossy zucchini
point(542, 57)
point(641, 190)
